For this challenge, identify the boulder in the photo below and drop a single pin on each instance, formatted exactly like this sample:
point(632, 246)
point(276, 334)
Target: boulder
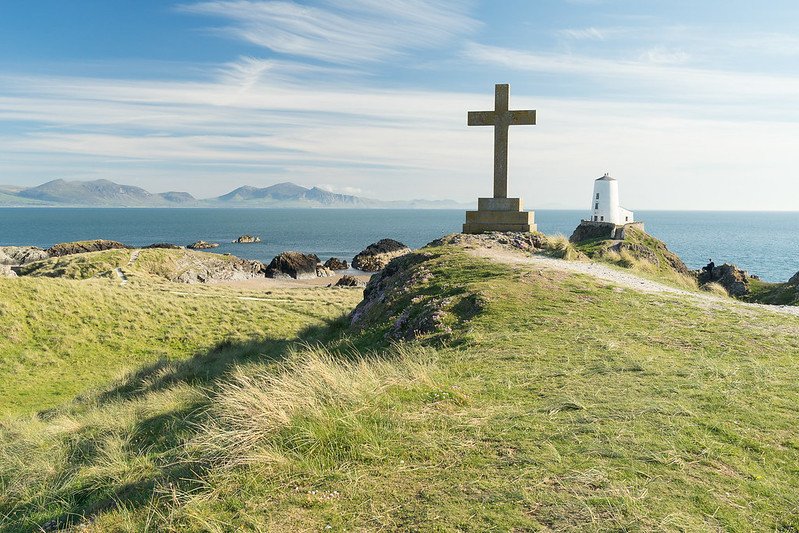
point(794, 279)
point(247, 239)
point(349, 281)
point(165, 246)
point(293, 265)
point(82, 247)
point(334, 263)
point(21, 255)
point(377, 255)
point(202, 245)
point(732, 278)
point(323, 272)
point(6, 272)
point(211, 268)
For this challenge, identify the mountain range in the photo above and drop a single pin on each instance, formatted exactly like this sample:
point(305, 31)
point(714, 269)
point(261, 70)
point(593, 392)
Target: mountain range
point(105, 193)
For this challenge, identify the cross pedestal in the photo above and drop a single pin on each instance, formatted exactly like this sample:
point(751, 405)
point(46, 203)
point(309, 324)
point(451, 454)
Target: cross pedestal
point(500, 213)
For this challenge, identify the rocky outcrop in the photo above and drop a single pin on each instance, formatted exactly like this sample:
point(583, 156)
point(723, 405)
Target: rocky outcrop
point(323, 272)
point(528, 242)
point(6, 272)
point(294, 265)
point(202, 245)
point(334, 263)
point(732, 278)
point(247, 239)
point(349, 281)
point(82, 247)
point(211, 268)
point(165, 246)
point(377, 255)
point(398, 301)
point(794, 279)
point(21, 255)
point(593, 230)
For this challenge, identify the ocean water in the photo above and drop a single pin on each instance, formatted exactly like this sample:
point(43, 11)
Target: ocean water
point(764, 243)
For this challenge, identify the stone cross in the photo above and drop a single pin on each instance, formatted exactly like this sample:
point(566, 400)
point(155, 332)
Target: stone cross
point(501, 119)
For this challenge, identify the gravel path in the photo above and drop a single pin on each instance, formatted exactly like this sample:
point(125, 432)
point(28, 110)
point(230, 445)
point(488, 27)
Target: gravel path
point(618, 277)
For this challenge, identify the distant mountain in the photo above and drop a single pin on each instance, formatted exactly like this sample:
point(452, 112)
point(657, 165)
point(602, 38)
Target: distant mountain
point(288, 194)
point(100, 193)
point(105, 193)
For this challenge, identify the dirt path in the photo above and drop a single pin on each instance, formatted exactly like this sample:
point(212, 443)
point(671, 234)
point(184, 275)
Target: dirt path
point(123, 279)
point(134, 255)
point(618, 277)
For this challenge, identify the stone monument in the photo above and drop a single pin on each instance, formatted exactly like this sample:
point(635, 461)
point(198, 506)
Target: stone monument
point(500, 213)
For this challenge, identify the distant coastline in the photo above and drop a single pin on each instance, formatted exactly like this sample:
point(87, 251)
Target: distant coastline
point(105, 193)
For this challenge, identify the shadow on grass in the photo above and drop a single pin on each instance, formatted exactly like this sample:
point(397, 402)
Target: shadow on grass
point(159, 437)
point(205, 368)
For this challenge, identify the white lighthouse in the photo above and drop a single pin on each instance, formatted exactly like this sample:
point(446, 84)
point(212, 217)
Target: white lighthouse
point(605, 203)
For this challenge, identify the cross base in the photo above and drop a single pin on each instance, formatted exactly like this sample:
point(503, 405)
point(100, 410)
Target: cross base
point(499, 214)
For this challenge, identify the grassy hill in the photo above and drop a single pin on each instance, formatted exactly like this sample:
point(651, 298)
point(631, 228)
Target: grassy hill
point(532, 399)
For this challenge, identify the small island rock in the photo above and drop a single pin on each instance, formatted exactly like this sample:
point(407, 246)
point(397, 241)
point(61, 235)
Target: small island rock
point(293, 265)
point(82, 247)
point(6, 272)
point(247, 239)
point(334, 263)
point(377, 255)
point(202, 245)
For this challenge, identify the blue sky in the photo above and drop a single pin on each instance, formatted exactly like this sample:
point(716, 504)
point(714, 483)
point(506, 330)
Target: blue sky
point(692, 105)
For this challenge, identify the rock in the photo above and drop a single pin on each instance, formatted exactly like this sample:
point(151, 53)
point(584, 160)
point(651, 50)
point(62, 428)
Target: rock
point(794, 279)
point(210, 268)
point(293, 265)
point(732, 278)
point(165, 246)
point(528, 242)
point(82, 247)
point(349, 281)
point(638, 251)
point(323, 272)
point(377, 255)
point(202, 245)
point(594, 230)
point(21, 255)
point(395, 300)
point(334, 263)
point(247, 239)
point(6, 272)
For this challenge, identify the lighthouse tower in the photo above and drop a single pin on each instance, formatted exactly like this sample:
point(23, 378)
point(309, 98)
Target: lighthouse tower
point(605, 203)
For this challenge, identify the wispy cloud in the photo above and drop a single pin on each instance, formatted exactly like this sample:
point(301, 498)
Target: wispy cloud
point(658, 71)
point(584, 33)
point(341, 31)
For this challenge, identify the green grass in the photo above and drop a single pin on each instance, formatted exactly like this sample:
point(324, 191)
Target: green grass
point(642, 253)
point(555, 402)
point(59, 338)
point(773, 293)
point(162, 263)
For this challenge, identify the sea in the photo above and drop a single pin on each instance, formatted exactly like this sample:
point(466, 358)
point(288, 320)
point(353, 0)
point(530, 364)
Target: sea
point(764, 243)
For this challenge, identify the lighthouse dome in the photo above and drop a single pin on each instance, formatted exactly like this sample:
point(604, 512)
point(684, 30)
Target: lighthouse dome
point(606, 177)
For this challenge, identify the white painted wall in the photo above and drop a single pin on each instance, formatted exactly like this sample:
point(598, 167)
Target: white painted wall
point(605, 202)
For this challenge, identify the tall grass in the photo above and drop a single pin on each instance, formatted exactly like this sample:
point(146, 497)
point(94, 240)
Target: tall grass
point(264, 415)
point(559, 246)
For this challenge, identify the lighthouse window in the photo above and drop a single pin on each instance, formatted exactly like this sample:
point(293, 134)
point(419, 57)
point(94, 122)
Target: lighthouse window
point(596, 205)
point(597, 196)
point(601, 219)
